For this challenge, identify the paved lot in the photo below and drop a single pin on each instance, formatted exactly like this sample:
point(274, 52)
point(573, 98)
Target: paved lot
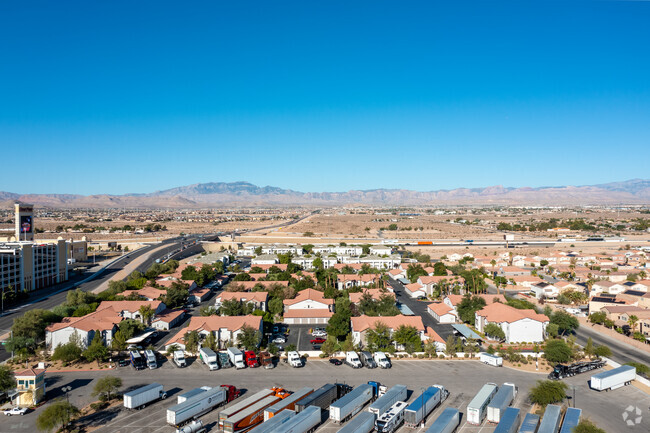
point(462, 378)
point(300, 335)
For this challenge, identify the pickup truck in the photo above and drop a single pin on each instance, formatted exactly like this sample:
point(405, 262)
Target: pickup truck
point(15, 411)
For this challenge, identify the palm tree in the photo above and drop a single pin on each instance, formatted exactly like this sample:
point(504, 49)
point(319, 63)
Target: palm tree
point(632, 321)
point(146, 313)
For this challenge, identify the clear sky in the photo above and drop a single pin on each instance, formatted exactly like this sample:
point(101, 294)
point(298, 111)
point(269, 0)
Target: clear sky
point(136, 96)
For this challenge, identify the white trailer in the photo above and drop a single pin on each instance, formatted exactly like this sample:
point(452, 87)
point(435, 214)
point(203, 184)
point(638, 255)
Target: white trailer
point(192, 393)
point(196, 406)
point(477, 408)
point(613, 379)
point(392, 396)
point(447, 422)
point(424, 404)
point(304, 422)
point(364, 423)
point(272, 423)
point(392, 419)
point(351, 403)
point(493, 360)
point(209, 358)
point(551, 419)
point(139, 398)
point(501, 400)
point(509, 421)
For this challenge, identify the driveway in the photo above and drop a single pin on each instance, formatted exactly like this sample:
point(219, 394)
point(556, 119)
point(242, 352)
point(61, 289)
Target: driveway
point(419, 308)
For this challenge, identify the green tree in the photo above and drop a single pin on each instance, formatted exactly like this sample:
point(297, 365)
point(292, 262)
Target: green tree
point(191, 341)
point(415, 271)
point(347, 344)
point(96, 350)
point(106, 387)
point(548, 392)
point(589, 348)
point(55, 415)
point(632, 321)
point(409, 338)
point(243, 276)
point(553, 330)
point(565, 322)
point(495, 331)
point(231, 307)
point(339, 325)
point(176, 295)
point(468, 307)
point(248, 337)
point(601, 351)
point(392, 227)
point(450, 346)
point(330, 346)
point(378, 338)
point(146, 313)
point(32, 324)
point(68, 352)
point(7, 379)
point(557, 351)
point(439, 269)
point(118, 342)
point(276, 306)
point(586, 426)
point(20, 345)
point(130, 328)
point(211, 341)
point(207, 310)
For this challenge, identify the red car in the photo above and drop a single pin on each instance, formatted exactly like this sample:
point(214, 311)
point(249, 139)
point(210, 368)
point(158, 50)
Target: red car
point(317, 341)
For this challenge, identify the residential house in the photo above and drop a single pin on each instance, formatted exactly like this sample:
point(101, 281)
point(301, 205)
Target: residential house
point(226, 329)
point(167, 319)
point(362, 324)
point(265, 259)
point(258, 299)
point(309, 306)
point(347, 281)
point(432, 336)
point(444, 283)
point(308, 262)
point(545, 290)
point(381, 250)
point(416, 290)
point(519, 326)
point(442, 312)
point(376, 294)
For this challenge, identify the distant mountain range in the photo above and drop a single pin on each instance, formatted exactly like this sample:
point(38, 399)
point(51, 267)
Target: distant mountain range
point(220, 194)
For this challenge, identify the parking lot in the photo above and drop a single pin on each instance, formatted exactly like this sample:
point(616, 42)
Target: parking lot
point(300, 336)
point(463, 379)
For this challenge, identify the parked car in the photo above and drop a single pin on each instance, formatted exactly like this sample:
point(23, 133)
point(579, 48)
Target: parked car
point(279, 339)
point(15, 411)
point(319, 333)
point(317, 341)
point(336, 361)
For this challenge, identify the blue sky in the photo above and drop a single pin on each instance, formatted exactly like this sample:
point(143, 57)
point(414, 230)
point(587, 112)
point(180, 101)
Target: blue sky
point(116, 97)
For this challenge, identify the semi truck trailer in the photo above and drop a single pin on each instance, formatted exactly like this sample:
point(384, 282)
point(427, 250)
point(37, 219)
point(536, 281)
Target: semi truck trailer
point(288, 403)
point(363, 423)
point(249, 417)
point(198, 405)
point(447, 422)
point(417, 411)
point(501, 400)
point(392, 396)
point(477, 408)
point(509, 421)
point(613, 379)
point(139, 398)
point(304, 422)
point(351, 404)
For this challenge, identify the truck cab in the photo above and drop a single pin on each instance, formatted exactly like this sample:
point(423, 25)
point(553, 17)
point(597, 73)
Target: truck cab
point(179, 358)
point(209, 358)
point(137, 361)
point(251, 359)
point(266, 360)
point(352, 359)
point(382, 360)
point(236, 357)
point(294, 359)
point(366, 360)
point(231, 392)
point(152, 362)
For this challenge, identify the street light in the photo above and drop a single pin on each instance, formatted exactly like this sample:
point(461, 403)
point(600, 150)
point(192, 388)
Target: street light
point(67, 389)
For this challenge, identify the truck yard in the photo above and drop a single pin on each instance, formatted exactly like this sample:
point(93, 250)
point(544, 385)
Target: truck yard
point(463, 380)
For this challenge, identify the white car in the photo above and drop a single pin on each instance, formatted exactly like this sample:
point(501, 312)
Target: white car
point(279, 340)
point(15, 411)
point(319, 333)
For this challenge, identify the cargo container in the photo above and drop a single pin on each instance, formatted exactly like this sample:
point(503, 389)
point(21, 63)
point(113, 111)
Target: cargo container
point(271, 424)
point(493, 360)
point(551, 419)
point(613, 379)
point(477, 408)
point(424, 404)
point(392, 419)
point(196, 406)
point(322, 397)
point(392, 396)
point(243, 404)
point(304, 422)
point(249, 417)
point(192, 393)
point(571, 419)
point(288, 403)
point(529, 424)
point(363, 423)
point(501, 400)
point(139, 398)
point(447, 422)
point(349, 405)
point(509, 421)
point(236, 357)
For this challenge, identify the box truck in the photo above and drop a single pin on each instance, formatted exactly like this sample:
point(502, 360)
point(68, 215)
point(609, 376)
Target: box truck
point(209, 358)
point(152, 362)
point(613, 379)
point(236, 357)
point(179, 358)
point(477, 408)
point(509, 422)
point(351, 404)
point(447, 422)
point(139, 398)
point(501, 400)
point(417, 411)
point(363, 423)
point(392, 396)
